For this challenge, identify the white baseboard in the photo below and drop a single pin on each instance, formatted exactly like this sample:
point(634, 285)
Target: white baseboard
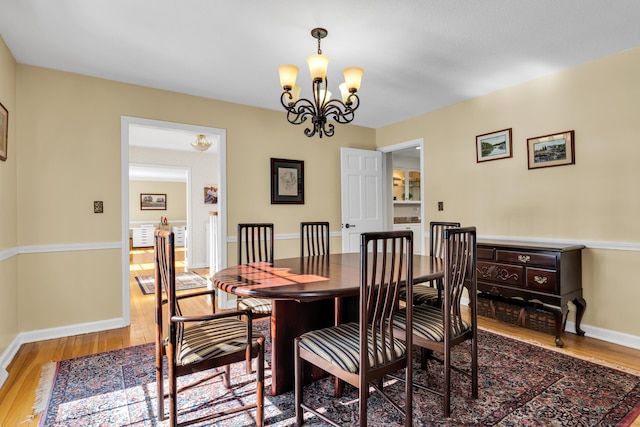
point(3, 376)
point(626, 340)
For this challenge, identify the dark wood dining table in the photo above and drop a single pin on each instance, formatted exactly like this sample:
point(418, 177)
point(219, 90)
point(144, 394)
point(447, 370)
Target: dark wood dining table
point(308, 293)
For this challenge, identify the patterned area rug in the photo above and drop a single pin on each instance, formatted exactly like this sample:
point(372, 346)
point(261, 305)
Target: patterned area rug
point(184, 281)
point(520, 384)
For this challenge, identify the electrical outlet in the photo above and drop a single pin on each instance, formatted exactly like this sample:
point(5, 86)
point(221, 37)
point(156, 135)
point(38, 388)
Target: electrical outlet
point(440, 206)
point(98, 207)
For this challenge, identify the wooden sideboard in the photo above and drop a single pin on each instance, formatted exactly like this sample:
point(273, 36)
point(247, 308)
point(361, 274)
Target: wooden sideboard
point(545, 276)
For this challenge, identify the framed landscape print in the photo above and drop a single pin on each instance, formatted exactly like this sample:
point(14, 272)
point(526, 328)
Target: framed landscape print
point(551, 150)
point(153, 202)
point(287, 181)
point(4, 132)
point(493, 146)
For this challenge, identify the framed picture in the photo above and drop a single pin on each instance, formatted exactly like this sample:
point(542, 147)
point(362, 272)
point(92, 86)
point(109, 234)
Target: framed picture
point(4, 132)
point(551, 150)
point(153, 202)
point(287, 181)
point(211, 194)
point(493, 146)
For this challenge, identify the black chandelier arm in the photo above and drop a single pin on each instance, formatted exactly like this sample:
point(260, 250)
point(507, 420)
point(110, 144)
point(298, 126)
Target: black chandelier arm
point(299, 111)
point(321, 127)
point(335, 110)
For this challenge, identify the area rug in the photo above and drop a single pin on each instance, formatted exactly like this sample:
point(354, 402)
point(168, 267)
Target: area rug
point(520, 384)
point(184, 280)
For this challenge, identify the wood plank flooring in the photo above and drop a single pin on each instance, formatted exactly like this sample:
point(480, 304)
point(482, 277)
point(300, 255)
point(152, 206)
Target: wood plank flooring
point(18, 392)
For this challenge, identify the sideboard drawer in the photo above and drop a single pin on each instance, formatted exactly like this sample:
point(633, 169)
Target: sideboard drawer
point(500, 273)
point(526, 258)
point(484, 253)
point(541, 280)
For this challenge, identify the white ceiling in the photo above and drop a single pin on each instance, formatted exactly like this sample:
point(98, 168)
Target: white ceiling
point(418, 55)
point(165, 138)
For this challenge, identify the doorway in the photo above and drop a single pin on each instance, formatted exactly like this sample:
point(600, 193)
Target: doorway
point(404, 180)
point(169, 150)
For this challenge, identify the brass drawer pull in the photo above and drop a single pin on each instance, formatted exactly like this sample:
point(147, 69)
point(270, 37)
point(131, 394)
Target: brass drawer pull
point(524, 258)
point(540, 279)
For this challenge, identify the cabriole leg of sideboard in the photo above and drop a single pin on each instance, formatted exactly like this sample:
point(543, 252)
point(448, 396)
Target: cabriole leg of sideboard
point(581, 306)
point(561, 318)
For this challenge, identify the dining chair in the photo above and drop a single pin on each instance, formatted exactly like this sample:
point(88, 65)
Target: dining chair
point(362, 353)
point(439, 329)
point(431, 292)
point(314, 238)
point(314, 242)
point(194, 343)
point(255, 245)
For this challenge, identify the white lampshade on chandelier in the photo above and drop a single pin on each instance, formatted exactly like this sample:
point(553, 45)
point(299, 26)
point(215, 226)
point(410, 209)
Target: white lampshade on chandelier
point(322, 107)
point(201, 143)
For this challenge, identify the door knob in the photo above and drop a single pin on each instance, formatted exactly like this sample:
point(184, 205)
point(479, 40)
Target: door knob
point(349, 225)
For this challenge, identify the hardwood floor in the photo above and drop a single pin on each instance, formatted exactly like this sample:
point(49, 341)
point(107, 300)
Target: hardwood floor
point(18, 391)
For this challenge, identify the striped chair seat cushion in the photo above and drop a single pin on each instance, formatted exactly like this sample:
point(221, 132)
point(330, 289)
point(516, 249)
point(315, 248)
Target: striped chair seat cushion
point(213, 338)
point(422, 294)
point(340, 345)
point(256, 305)
point(427, 323)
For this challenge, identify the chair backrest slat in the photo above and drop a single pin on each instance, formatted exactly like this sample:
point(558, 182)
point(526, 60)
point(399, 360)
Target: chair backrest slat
point(436, 234)
point(386, 266)
point(165, 277)
point(314, 238)
point(459, 272)
point(255, 243)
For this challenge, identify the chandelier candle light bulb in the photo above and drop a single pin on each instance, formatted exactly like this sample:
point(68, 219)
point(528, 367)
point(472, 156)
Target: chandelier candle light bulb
point(321, 108)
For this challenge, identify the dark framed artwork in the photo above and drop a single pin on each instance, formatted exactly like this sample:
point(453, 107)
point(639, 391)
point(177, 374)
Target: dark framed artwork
point(493, 146)
point(287, 181)
point(4, 132)
point(153, 202)
point(551, 150)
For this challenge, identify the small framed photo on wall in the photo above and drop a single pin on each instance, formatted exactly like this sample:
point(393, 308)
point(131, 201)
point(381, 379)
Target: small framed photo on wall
point(4, 132)
point(153, 202)
point(211, 194)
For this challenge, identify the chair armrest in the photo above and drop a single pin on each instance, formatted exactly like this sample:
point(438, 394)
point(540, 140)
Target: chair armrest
point(193, 294)
point(196, 294)
point(204, 317)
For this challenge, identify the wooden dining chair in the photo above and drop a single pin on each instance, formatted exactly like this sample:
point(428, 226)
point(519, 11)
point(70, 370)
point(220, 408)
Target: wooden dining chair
point(439, 329)
point(314, 242)
point(255, 245)
point(362, 353)
point(194, 343)
point(314, 238)
point(431, 292)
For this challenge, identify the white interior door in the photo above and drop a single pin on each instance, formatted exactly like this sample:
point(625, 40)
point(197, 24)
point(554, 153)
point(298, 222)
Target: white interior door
point(362, 195)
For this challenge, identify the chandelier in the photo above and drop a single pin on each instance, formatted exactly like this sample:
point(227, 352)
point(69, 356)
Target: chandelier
point(201, 144)
point(322, 107)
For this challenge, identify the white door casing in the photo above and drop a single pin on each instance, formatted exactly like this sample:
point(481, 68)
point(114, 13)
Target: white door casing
point(361, 195)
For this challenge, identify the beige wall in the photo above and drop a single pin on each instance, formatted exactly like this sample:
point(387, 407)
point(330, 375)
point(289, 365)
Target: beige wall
point(8, 215)
point(596, 200)
point(176, 212)
point(70, 132)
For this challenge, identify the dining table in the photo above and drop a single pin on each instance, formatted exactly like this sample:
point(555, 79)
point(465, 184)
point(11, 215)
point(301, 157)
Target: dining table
point(307, 293)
